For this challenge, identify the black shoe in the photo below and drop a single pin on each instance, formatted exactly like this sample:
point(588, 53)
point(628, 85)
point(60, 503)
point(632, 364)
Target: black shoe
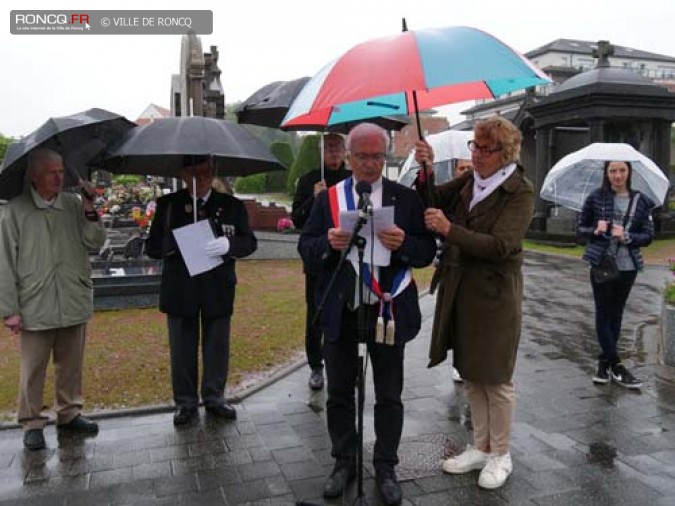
point(343, 472)
point(224, 411)
point(184, 416)
point(602, 374)
point(79, 425)
point(34, 439)
point(316, 378)
point(622, 377)
point(387, 484)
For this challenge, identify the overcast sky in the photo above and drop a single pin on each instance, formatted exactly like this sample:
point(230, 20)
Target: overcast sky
point(268, 40)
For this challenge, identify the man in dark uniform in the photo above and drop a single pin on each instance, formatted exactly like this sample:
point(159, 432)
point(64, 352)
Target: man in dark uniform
point(207, 297)
point(309, 185)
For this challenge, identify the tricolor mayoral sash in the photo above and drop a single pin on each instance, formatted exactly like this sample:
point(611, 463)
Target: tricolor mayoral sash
point(341, 198)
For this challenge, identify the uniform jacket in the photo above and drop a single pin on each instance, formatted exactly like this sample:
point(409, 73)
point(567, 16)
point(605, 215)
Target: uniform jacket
point(44, 261)
point(211, 292)
point(417, 250)
point(599, 205)
point(478, 307)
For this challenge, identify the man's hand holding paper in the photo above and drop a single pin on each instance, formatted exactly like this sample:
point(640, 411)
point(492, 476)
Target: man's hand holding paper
point(392, 238)
point(381, 220)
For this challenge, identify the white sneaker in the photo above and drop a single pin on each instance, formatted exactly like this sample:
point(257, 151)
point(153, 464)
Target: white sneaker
point(495, 472)
point(469, 460)
point(455, 376)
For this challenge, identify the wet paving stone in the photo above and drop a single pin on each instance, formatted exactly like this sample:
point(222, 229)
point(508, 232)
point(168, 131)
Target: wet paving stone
point(572, 443)
point(246, 492)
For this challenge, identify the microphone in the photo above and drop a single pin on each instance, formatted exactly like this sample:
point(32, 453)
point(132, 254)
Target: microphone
point(364, 189)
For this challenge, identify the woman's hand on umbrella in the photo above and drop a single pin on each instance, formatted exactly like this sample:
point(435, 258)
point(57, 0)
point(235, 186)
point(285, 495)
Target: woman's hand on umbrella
point(338, 238)
point(424, 154)
point(436, 221)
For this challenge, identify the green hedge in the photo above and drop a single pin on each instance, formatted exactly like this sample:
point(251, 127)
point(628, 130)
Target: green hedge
point(308, 159)
point(251, 184)
point(277, 180)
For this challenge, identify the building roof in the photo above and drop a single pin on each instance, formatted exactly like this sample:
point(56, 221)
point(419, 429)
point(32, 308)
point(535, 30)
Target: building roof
point(587, 47)
point(600, 75)
point(152, 112)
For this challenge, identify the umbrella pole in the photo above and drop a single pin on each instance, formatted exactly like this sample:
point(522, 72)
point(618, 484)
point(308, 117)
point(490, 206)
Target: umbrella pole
point(430, 193)
point(323, 175)
point(194, 198)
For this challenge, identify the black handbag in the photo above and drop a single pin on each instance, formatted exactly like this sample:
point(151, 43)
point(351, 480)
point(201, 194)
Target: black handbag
point(606, 270)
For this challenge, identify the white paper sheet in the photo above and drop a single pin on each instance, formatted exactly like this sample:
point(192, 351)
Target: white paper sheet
point(191, 240)
point(381, 219)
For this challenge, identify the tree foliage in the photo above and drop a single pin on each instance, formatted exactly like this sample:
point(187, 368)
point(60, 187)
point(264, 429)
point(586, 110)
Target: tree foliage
point(255, 183)
point(127, 179)
point(4, 143)
point(266, 135)
point(308, 159)
point(276, 181)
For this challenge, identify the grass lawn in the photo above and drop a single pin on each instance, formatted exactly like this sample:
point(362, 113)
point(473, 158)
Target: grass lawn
point(127, 352)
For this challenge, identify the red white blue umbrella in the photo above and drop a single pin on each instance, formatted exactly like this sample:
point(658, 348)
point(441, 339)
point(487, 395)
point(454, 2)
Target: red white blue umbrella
point(409, 72)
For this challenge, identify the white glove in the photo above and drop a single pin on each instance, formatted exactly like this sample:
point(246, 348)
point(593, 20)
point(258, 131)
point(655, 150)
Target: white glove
point(217, 247)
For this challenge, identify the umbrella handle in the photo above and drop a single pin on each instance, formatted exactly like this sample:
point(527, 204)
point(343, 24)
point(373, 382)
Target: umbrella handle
point(430, 193)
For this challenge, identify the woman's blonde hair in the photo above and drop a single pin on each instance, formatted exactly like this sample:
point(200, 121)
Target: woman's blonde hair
point(502, 133)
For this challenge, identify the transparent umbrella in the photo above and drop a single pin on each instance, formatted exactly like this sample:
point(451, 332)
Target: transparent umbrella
point(448, 146)
point(576, 175)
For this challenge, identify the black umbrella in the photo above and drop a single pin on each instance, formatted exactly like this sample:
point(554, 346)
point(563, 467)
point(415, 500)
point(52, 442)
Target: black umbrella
point(80, 139)
point(268, 106)
point(159, 148)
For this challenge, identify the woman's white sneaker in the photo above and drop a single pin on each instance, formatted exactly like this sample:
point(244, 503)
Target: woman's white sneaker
point(469, 460)
point(496, 471)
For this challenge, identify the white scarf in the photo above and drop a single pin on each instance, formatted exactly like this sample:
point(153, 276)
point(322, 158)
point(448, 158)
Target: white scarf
point(483, 187)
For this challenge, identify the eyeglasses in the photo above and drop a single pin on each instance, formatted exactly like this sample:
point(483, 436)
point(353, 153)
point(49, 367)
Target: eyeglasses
point(373, 157)
point(483, 150)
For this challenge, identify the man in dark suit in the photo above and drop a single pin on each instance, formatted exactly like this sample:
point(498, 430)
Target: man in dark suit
point(392, 302)
point(206, 298)
point(309, 186)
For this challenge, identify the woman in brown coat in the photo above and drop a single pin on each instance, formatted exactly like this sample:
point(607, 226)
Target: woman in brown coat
point(478, 309)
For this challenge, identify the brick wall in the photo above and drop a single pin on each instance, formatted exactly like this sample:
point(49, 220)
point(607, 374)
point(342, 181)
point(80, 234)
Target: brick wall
point(264, 217)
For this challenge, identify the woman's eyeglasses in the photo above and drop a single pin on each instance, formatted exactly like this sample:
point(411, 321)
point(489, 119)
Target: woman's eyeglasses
point(483, 150)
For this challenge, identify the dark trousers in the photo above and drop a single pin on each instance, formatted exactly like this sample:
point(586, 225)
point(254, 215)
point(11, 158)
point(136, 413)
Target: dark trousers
point(610, 301)
point(341, 359)
point(313, 332)
point(184, 345)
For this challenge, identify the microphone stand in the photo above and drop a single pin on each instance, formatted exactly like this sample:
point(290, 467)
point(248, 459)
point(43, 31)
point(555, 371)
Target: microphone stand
point(362, 335)
point(363, 218)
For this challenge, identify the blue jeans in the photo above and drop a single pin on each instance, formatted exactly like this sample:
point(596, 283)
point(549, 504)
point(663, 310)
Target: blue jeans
point(610, 300)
